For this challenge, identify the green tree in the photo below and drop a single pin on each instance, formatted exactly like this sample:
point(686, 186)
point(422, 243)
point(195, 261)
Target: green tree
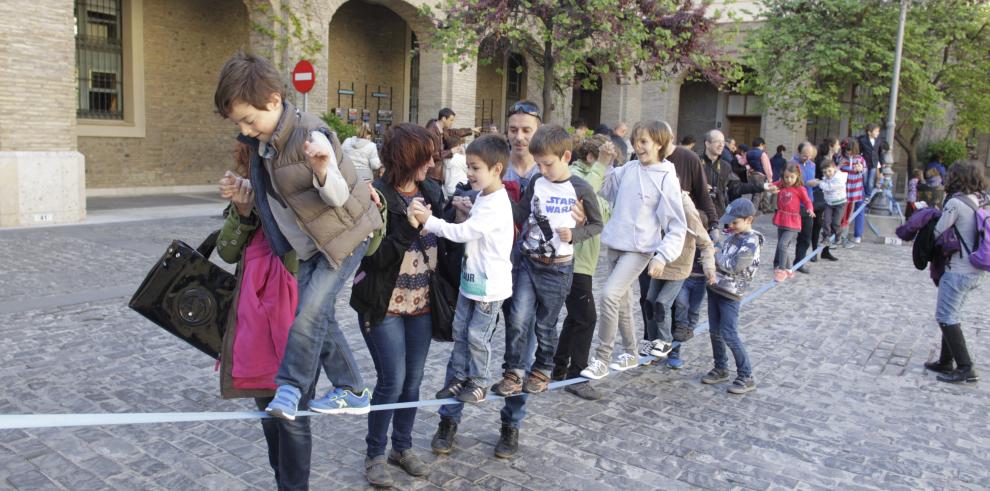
point(834, 58)
point(580, 41)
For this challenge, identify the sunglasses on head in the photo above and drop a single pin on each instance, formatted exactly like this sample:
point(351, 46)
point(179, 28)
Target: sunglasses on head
point(525, 108)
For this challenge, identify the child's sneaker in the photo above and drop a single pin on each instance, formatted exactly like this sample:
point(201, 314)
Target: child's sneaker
point(780, 275)
point(559, 373)
point(624, 362)
point(660, 348)
point(715, 376)
point(452, 390)
point(857, 240)
point(790, 273)
point(674, 361)
point(471, 393)
point(682, 332)
point(645, 346)
point(596, 369)
point(742, 385)
point(536, 382)
point(342, 401)
point(510, 385)
point(285, 404)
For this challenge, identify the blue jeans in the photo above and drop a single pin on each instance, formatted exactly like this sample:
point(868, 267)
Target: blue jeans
point(474, 326)
point(514, 409)
point(723, 324)
point(315, 337)
point(662, 294)
point(869, 178)
point(859, 221)
point(398, 346)
point(953, 289)
point(688, 303)
point(290, 445)
point(538, 294)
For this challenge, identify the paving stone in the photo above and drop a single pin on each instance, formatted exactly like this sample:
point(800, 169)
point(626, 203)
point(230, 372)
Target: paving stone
point(842, 403)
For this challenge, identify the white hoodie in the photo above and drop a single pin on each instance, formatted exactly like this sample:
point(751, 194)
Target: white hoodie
point(364, 154)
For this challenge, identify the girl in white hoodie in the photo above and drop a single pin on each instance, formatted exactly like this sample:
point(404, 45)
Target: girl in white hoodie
point(646, 231)
point(363, 153)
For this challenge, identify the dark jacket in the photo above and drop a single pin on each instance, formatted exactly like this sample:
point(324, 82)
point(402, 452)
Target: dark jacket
point(690, 173)
point(870, 153)
point(376, 276)
point(726, 185)
point(778, 163)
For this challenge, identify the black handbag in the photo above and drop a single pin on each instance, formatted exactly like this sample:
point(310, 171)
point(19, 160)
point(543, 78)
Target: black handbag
point(443, 301)
point(188, 296)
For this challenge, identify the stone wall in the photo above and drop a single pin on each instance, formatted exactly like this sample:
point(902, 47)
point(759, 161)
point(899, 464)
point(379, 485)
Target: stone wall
point(185, 44)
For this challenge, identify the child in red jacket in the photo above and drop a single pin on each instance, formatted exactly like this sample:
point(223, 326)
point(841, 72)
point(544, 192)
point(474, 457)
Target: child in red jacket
point(791, 195)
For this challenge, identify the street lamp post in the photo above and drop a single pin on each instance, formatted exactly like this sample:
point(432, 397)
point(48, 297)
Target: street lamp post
point(892, 107)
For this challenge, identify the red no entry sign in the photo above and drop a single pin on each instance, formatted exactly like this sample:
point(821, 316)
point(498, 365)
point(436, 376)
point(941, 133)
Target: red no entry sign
point(303, 76)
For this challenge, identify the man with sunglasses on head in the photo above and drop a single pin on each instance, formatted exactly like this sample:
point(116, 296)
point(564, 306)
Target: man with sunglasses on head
point(524, 118)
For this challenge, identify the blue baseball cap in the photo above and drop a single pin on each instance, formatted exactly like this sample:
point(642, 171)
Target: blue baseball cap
point(739, 208)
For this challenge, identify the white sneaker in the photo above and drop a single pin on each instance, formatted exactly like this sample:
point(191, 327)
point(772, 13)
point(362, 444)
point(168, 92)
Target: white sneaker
point(660, 348)
point(625, 362)
point(645, 346)
point(597, 369)
point(857, 240)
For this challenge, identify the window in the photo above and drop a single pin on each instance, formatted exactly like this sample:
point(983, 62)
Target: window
point(99, 59)
point(515, 79)
point(414, 81)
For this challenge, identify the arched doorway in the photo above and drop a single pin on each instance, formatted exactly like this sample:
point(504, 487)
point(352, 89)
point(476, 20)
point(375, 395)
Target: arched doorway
point(587, 104)
point(370, 65)
point(500, 83)
point(697, 111)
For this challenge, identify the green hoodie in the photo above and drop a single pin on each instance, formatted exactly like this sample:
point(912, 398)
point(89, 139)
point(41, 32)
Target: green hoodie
point(586, 252)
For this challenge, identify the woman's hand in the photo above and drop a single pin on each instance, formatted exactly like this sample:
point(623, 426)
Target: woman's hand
point(243, 198)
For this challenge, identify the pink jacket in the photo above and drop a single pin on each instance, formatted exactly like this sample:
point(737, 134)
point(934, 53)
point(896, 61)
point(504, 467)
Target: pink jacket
point(789, 202)
point(266, 307)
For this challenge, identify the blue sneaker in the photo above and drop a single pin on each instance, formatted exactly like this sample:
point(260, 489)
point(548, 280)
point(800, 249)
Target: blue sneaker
point(674, 361)
point(342, 401)
point(285, 403)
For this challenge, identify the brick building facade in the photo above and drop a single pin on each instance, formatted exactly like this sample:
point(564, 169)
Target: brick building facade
point(115, 96)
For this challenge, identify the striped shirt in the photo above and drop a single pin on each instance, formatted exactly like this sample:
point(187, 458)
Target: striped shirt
point(854, 185)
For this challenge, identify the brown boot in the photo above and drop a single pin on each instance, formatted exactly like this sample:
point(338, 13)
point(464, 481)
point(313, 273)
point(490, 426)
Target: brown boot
point(510, 385)
point(536, 382)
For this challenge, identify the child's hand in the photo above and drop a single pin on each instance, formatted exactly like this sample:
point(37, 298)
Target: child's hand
point(606, 153)
point(811, 213)
point(812, 183)
point(318, 157)
point(577, 212)
point(228, 185)
point(711, 278)
point(656, 268)
point(564, 234)
point(420, 211)
point(462, 204)
point(243, 199)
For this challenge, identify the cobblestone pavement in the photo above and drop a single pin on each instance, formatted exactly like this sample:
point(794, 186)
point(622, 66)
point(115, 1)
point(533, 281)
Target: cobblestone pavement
point(843, 401)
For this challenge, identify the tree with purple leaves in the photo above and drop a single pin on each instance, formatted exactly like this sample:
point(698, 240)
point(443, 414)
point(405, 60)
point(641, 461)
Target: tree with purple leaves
point(579, 42)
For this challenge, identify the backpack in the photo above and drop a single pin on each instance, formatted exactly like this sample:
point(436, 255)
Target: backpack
point(979, 254)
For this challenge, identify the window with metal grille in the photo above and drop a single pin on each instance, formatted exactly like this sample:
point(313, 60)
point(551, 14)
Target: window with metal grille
point(99, 59)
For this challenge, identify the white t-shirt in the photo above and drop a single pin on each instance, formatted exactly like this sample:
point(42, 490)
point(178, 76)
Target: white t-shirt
point(486, 273)
point(454, 173)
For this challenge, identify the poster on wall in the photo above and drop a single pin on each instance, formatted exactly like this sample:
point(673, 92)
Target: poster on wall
point(352, 115)
point(339, 112)
point(365, 115)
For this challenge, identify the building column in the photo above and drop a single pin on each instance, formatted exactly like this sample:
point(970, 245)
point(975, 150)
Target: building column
point(263, 13)
point(621, 102)
point(443, 85)
point(661, 100)
point(781, 129)
point(42, 175)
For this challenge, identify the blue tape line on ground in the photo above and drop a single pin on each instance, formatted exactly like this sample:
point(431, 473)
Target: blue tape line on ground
point(25, 421)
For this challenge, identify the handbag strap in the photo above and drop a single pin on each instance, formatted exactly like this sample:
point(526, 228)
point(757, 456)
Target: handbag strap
point(209, 244)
